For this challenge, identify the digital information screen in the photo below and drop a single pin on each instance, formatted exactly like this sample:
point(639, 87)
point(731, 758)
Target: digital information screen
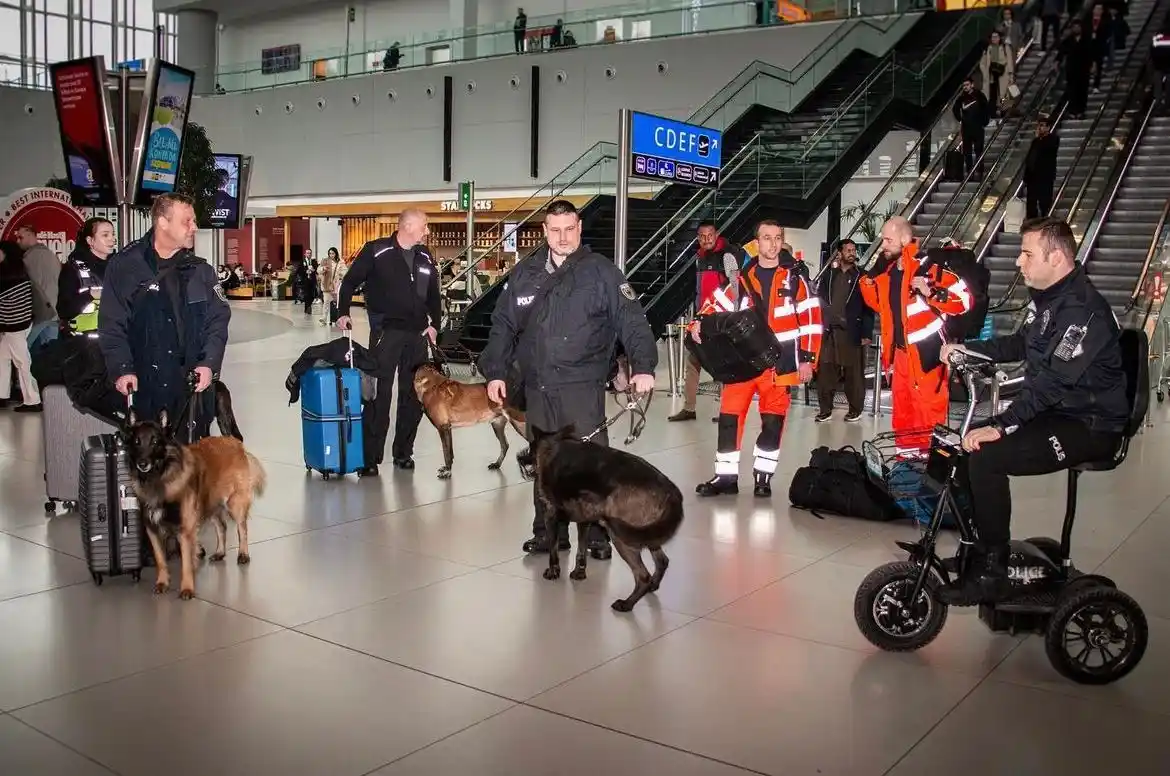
point(86, 135)
point(225, 213)
point(667, 150)
point(164, 123)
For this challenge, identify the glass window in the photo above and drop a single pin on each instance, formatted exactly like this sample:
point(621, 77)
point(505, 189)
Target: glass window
point(103, 44)
point(10, 32)
point(55, 6)
point(9, 72)
point(143, 12)
point(56, 48)
point(80, 38)
point(143, 45)
point(33, 51)
point(101, 10)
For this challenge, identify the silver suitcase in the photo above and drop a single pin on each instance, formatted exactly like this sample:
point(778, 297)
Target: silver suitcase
point(66, 428)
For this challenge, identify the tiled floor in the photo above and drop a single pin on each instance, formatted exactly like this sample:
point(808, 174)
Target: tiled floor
point(393, 627)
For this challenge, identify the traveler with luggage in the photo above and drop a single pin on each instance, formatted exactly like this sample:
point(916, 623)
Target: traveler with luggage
point(552, 346)
point(163, 316)
point(773, 286)
point(912, 302)
point(717, 267)
point(79, 286)
point(848, 322)
point(402, 294)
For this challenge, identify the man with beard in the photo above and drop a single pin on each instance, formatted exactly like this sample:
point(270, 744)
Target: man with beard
point(912, 300)
point(848, 327)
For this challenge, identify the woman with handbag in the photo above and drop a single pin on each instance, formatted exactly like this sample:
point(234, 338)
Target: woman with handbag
point(998, 68)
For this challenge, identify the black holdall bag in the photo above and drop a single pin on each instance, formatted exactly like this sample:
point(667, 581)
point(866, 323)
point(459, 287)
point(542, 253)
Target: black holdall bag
point(836, 481)
point(736, 347)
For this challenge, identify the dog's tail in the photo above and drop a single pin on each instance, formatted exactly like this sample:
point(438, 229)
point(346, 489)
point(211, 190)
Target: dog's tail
point(655, 533)
point(259, 476)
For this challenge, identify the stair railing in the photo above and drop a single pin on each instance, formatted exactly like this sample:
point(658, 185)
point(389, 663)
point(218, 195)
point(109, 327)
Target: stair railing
point(1156, 244)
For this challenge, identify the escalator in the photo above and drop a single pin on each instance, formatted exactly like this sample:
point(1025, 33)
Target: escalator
point(790, 168)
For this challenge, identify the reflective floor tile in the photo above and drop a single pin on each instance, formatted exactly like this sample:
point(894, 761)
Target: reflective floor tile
point(295, 579)
point(67, 639)
point(715, 573)
point(27, 752)
point(529, 742)
point(465, 530)
point(30, 568)
point(1006, 729)
point(496, 632)
point(284, 704)
point(816, 603)
point(770, 703)
point(770, 525)
point(22, 484)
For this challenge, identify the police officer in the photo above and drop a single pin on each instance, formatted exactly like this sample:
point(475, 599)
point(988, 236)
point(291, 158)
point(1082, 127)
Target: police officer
point(554, 330)
point(402, 296)
point(1072, 408)
point(79, 286)
point(164, 315)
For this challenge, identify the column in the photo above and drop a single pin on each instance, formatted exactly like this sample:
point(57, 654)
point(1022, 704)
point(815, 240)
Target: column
point(463, 19)
point(197, 37)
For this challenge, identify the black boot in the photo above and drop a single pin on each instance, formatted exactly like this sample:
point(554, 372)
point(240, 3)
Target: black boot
point(538, 545)
point(763, 487)
point(984, 583)
point(719, 485)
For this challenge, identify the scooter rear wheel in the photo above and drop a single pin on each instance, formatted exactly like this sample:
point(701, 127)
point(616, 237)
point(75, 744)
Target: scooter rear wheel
point(886, 617)
point(1097, 635)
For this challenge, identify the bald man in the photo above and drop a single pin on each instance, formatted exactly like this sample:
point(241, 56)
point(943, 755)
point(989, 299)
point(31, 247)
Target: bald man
point(913, 299)
point(402, 301)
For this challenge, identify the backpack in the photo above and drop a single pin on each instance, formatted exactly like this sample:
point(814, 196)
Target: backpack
point(962, 262)
point(836, 481)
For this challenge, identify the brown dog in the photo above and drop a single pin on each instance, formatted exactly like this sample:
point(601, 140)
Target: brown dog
point(213, 478)
point(451, 404)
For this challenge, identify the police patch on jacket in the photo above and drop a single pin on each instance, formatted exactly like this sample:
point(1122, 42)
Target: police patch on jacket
point(628, 291)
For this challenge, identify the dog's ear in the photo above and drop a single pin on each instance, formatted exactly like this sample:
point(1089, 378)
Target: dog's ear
point(162, 417)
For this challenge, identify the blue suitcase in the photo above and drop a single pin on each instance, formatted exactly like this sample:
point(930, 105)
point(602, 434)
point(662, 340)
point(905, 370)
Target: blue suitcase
point(331, 420)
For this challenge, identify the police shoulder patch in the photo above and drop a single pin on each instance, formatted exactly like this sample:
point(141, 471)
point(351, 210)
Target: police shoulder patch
point(220, 292)
point(627, 291)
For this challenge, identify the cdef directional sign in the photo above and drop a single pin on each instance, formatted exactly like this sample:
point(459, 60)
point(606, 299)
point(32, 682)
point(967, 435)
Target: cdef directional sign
point(666, 150)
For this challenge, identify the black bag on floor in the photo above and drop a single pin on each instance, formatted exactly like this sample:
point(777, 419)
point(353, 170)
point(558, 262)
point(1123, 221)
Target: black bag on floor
point(953, 166)
point(836, 481)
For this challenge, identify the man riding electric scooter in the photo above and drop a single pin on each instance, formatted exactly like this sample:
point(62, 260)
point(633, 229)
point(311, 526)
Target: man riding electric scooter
point(1071, 409)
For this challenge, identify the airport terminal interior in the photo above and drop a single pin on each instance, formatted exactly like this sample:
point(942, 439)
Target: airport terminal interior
point(395, 624)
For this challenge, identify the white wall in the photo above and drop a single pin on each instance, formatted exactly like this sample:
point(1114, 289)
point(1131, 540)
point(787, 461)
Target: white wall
point(390, 140)
point(324, 233)
point(30, 144)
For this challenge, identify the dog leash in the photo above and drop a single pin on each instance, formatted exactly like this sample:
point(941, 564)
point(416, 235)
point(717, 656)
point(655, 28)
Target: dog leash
point(637, 411)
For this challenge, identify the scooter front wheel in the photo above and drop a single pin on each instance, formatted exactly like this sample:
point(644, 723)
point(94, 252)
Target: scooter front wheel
point(887, 617)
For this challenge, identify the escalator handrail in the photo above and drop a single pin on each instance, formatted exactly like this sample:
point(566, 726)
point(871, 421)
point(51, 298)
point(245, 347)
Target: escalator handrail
point(939, 158)
point(1155, 243)
point(993, 230)
point(472, 265)
point(692, 206)
point(1134, 141)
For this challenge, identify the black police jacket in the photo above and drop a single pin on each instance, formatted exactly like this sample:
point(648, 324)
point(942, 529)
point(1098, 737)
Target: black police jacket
point(1072, 358)
point(160, 326)
point(405, 296)
point(571, 336)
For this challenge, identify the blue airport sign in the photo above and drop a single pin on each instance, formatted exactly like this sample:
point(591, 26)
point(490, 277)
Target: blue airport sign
point(133, 65)
point(667, 150)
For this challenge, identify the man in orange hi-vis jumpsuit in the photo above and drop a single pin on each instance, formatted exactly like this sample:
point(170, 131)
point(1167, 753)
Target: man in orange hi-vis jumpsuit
point(912, 304)
point(772, 283)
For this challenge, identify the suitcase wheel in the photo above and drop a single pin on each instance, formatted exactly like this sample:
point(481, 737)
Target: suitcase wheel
point(97, 579)
point(325, 475)
point(50, 506)
point(136, 575)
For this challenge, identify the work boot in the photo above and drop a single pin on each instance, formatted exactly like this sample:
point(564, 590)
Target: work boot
point(763, 487)
point(368, 471)
point(600, 549)
point(719, 485)
point(683, 414)
point(538, 545)
point(404, 463)
point(984, 583)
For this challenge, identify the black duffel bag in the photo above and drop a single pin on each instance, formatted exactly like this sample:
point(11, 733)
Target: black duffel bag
point(836, 481)
point(736, 346)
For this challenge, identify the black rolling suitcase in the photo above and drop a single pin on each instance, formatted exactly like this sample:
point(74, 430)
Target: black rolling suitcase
point(953, 167)
point(736, 346)
point(111, 521)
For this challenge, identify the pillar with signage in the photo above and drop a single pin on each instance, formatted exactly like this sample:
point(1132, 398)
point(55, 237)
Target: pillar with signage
point(663, 150)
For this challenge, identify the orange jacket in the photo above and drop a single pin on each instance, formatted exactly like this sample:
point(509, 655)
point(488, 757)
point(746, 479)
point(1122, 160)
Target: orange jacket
point(923, 317)
point(794, 315)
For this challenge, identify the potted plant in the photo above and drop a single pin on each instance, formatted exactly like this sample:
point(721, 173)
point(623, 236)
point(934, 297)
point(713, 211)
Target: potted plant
point(869, 224)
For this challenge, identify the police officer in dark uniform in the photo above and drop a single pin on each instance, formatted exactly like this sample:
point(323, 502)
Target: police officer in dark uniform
point(1072, 408)
point(555, 330)
point(402, 297)
point(163, 316)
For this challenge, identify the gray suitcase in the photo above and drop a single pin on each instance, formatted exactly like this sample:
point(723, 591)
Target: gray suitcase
point(111, 521)
point(65, 428)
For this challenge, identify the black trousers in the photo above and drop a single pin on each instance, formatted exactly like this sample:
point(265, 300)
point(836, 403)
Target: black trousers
point(397, 352)
point(1078, 94)
point(1038, 200)
point(1049, 443)
point(841, 361)
point(1050, 24)
point(973, 140)
point(518, 36)
point(582, 406)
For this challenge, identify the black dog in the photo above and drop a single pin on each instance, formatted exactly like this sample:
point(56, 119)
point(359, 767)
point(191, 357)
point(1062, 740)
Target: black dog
point(585, 483)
